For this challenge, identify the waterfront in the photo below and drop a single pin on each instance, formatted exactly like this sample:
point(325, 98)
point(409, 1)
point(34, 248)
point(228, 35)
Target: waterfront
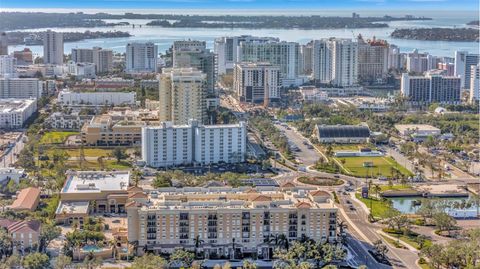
point(405, 204)
point(164, 37)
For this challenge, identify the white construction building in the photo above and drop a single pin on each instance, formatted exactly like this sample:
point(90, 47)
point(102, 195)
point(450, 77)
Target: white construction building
point(15, 112)
point(141, 57)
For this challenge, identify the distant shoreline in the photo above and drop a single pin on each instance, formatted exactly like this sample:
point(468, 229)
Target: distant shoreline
point(35, 38)
point(438, 34)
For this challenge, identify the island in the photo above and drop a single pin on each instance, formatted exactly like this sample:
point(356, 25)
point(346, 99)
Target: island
point(437, 34)
point(35, 38)
point(474, 23)
point(34, 20)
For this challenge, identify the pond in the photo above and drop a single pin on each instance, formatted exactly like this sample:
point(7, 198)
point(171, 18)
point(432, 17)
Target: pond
point(407, 205)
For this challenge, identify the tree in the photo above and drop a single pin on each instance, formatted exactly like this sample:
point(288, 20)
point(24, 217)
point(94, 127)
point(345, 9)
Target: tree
point(161, 180)
point(137, 175)
point(48, 232)
point(62, 262)
point(444, 222)
point(198, 242)
point(249, 265)
point(380, 248)
point(36, 260)
point(119, 154)
point(376, 188)
point(149, 261)
point(6, 243)
point(182, 257)
point(11, 262)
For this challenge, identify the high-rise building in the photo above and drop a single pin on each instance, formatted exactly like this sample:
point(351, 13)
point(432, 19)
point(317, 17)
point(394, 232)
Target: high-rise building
point(7, 66)
point(194, 54)
point(372, 59)
point(52, 47)
point(257, 82)
point(3, 44)
point(229, 220)
point(173, 145)
point(102, 58)
point(449, 68)
point(20, 88)
point(474, 83)
point(24, 57)
point(306, 59)
point(430, 88)
point(182, 95)
point(321, 61)
point(463, 63)
point(395, 59)
point(141, 57)
point(344, 62)
point(285, 55)
point(420, 62)
point(226, 50)
point(82, 55)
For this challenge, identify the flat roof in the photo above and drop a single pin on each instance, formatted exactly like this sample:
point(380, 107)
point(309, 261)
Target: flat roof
point(94, 182)
point(77, 207)
point(423, 127)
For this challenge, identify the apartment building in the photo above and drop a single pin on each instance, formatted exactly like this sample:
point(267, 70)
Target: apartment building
point(15, 112)
point(474, 83)
point(21, 88)
point(194, 54)
point(372, 59)
point(141, 57)
point(81, 70)
point(102, 58)
point(7, 66)
point(25, 233)
point(24, 57)
point(432, 87)
point(182, 95)
point(420, 62)
point(463, 63)
point(68, 98)
point(257, 82)
point(175, 145)
point(3, 44)
point(229, 220)
point(103, 130)
point(306, 59)
point(63, 121)
point(53, 48)
point(113, 84)
point(226, 50)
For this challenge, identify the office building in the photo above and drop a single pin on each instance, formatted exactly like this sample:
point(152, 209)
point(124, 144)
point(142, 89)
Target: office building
point(372, 59)
point(24, 57)
point(229, 220)
point(257, 82)
point(7, 66)
point(67, 98)
point(182, 95)
point(226, 50)
point(174, 145)
point(102, 58)
point(408, 131)
point(194, 54)
point(285, 55)
point(15, 112)
point(141, 57)
point(474, 83)
point(3, 44)
point(52, 48)
point(463, 63)
point(432, 87)
point(420, 62)
point(22, 88)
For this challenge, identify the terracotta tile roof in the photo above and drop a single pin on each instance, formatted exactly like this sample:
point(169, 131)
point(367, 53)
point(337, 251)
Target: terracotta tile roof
point(27, 199)
point(132, 204)
point(319, 193)
point(260, 198)
point(303, 205)
point(252, 191)
point(137, 195)
point(20, 226)
point(288, 185)
point(134, 189)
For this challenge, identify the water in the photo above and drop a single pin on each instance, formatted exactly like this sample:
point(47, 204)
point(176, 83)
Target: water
point(404, 205)
point(93, 248)
point(164, 37)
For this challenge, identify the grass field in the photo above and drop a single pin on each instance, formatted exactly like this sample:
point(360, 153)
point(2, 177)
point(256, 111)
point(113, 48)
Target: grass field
point(379, 208)
point(91, 165)
point(89, 152)
point(409, 239)
point(382, 166)
point(55, 137)
point(338, 147)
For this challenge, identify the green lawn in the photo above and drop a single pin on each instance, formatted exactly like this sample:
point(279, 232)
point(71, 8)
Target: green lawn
point(55, 137)
point(379, 209)
point(409, 239)
point(90, 165)
point(338, 147)
point(89, 152)
point(382, 166)
point(398, 187)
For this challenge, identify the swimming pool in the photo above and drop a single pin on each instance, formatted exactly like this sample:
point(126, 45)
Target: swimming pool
point(89, 248)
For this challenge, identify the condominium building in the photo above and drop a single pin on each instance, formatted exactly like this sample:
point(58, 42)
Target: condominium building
point(52, 48)
point(431, 87)
point(335, 61)
point(141, 57)
point(395, 58)
point(20, 88)
point(15, 112)
point(229, 220)
point(463, 63)
point(306, 59)
point(474, 83)
point(420, 62)
point(449, 68)
point(68, 98)
point(102, 58)
point(113, 84)
point(103, 130)
point(3, 44)
point(174, 145)
point(194, 54)
point(257, 82)
point(63, 121)
point(92, 191)
point(182, 95)
point(7, 66)
point(24, 57)
point(285, 55)
point(226, 50)
point(81, 70)
point(372, 59)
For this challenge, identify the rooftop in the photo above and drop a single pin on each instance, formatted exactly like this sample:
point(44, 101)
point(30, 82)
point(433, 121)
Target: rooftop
point(27, 199)
point(343, 131)
point(423, 127)
point(11, 105)
point(93, 181)
point(77, 207)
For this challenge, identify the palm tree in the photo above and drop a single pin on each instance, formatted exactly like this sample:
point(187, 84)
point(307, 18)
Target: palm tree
point(376, 188)
point(233, 248)
point(198, 242)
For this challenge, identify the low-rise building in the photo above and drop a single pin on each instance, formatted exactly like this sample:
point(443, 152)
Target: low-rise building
point(229, 220)
point(113, 84)
point(15, 112)
point(92, 191)
point(10, 173)
point(25, 233)
point(20, 88)
point(103, 130)
point(68, 98)
point(313, 94)
point(63, 121)
point(27, 200)
point(355, 134)
point(417, 131)
point(81, 70)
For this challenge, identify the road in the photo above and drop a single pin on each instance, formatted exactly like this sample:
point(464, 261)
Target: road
point(11, 157)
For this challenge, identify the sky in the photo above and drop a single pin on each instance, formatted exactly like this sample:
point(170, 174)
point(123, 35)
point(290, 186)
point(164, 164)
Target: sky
point(244, 4)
